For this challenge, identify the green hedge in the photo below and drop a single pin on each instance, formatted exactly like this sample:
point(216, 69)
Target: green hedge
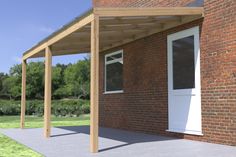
point(35, 107)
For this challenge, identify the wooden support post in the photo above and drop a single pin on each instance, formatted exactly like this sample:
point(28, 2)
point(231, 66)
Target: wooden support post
point(47, 92)
point(23, 94)
point(94, 85)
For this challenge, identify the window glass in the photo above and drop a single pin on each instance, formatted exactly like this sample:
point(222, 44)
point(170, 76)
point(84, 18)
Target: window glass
point(183, 63)
point(114, 72)
point(114, 77)
point(113, 57)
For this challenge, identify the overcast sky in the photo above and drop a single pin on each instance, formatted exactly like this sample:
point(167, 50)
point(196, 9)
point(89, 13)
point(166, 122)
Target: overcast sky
point(23, 23)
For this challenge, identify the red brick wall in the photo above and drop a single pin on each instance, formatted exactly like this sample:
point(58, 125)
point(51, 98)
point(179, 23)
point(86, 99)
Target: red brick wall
point(218, 70)
point(143, 105)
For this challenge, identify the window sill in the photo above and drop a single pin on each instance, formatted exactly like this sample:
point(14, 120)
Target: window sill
point(114, 92)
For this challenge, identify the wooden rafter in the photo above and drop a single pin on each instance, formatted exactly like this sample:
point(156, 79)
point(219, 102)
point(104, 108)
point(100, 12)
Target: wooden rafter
point(71, 51)
point(150, 31)
point(136, 20)
point(117, 16)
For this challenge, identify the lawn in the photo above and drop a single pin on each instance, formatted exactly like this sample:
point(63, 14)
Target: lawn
point(9, 148)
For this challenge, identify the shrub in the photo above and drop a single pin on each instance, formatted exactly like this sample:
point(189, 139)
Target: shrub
point(36, 107)
point(10, 108)
point(85, 108)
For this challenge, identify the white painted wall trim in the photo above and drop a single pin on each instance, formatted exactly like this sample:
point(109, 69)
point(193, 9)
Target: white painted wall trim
point(105, 68)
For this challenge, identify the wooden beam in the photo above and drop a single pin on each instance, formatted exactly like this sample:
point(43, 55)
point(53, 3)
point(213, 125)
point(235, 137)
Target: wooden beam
point(47, 93)
point(159, 11)
point(72, 51)
point(73, 44)
point(94, 85)
point(149, 19)
point(128, 27)
point(74, 39)
point(106, 35)
point(75, 49)
point(59, 36)
point(103, 33)
point(23, 94)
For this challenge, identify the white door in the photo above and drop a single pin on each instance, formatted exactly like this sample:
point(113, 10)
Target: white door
point(184, 91)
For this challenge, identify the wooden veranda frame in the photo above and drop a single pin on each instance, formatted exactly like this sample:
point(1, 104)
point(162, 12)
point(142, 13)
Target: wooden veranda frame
point(114, 23)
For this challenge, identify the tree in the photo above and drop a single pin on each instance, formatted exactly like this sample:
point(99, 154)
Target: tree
point(11, 85)
point(83, 80)
point(71, 80)
point(16, 70)
point(56, 78)
point(2, 78)
point(77, 78)
point(35, 80)
point(11, 88)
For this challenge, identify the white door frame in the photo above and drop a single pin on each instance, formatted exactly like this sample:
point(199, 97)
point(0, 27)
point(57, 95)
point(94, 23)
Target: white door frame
point(193, 122)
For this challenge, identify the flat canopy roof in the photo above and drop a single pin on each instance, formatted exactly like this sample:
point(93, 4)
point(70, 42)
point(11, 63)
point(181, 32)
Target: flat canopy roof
point(118, 26)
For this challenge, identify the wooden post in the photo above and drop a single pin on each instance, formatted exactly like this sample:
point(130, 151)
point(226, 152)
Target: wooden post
point(47, 92)
point(94, 85)
point(23, 94)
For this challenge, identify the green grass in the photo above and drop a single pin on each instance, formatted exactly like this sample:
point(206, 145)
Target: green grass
point(37, 122)
point(10, 148)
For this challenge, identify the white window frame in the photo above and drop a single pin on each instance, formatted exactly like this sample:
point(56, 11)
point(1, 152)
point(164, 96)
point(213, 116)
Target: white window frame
point(111, 62)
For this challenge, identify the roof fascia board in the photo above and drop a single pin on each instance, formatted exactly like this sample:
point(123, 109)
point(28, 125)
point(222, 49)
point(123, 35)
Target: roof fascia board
point(158, 11)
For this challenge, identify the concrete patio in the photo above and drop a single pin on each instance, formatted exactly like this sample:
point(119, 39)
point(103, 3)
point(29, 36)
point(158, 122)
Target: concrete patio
point(74, 142)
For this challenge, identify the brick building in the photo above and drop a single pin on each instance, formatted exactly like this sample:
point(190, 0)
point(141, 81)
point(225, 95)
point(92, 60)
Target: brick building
point(143, 103)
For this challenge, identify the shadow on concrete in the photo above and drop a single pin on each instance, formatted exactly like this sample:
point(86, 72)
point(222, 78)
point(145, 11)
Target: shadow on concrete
point(126, 137)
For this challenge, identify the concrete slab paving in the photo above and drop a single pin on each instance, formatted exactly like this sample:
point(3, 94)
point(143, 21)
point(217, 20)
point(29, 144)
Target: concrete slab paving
point(74, 142)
